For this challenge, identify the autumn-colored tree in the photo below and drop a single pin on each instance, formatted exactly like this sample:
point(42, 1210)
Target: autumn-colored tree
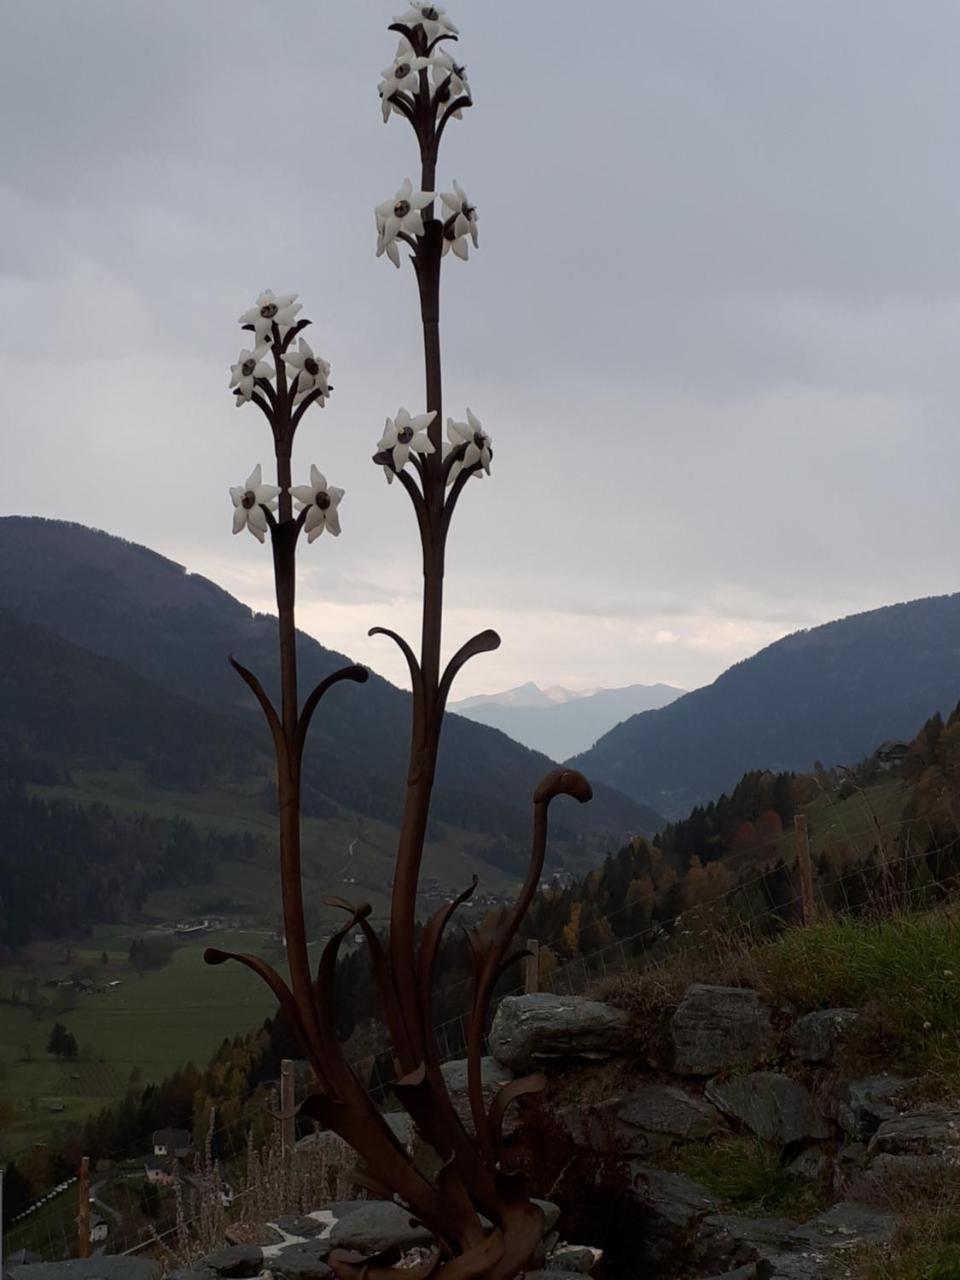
point(571, 930)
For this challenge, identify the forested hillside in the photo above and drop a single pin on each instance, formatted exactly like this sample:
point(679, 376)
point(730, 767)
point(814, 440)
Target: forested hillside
point(829, 694)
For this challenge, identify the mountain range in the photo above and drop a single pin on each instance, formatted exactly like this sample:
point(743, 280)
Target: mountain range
point(831, 693)
point(114, 656)
point(558, 721)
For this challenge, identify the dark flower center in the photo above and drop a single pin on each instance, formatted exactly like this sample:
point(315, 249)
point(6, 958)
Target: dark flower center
point(443, 93)
point(310, 366)
point(401, 70)
point(269, 311)
point(249, 500)
point(450, 231)
point(322, 500)
point(405, 435)
point(479, 439)
point(248, 367)
point(430, 14)
point(401, 208)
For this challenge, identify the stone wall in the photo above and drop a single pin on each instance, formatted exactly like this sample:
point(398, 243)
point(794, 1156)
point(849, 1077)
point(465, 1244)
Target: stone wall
point(725, 1064)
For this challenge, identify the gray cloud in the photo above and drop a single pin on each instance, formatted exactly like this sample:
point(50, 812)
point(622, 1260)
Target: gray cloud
point(711, 324)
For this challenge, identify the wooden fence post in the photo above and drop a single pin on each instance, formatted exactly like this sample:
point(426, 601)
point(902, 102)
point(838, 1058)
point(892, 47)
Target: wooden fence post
point(531, 967)
point(83, 1209)
point(808, 909)
point(287, 1103)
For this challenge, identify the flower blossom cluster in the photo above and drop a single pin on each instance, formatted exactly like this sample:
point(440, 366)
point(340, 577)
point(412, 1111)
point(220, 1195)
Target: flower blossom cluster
point(272, 319)
point(468, 447)
point(255, 502)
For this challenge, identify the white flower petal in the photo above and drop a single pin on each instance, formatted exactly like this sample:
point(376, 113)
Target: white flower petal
point(255, 478)
point(239, 519)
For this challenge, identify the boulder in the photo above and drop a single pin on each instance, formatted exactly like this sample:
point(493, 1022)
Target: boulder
point(304, 1261)
point(303, 1227)
point(493, 1077)
point(778, 1248)
point(817, 1036)
point(375, 1226)
point(720, 1029)
point(104, 1267)
point(550, 1211)
point(553, 1273)
point(863, 1104)
point(772, 1106)
point(669, 1210)
point(845, 1224)
point(933, 1132)
point(734, 1239)
point(649, 1119)
point(532, 1030)
point(812, 1162)
point(749, 1272)
point(807, 1264)
point(236, 1260)
point(578, 1258)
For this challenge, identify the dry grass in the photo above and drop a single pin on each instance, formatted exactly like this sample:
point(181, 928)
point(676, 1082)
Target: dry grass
point(927, 1244)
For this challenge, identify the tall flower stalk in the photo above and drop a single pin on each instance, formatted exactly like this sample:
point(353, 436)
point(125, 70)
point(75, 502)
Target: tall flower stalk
point(481, 1214)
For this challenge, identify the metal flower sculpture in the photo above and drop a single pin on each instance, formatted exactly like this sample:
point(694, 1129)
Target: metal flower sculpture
point(480, 1214)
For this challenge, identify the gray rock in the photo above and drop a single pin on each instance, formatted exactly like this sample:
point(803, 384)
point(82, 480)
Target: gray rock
point(341, 1208)
point(299, 1225)
point(191, 1273)
point(651, 1118)
point(772, 1106)
point(375, 1226)
point(901, 1167)
point(573, 1258)
point(733, 1239)
point(550, 1211)
point(235, 1260)
point(932, 1132)
point(531, 1030)
point(669, 1210)
point(402, 1126)
point(817, 1036)
point(553, 1273)
point(667, 1109)
point(672, 1199)
point(719, 1028)
point(306, 1228)
point(749, 1272)
point(306, 1261)
point(492, 1076)
point(806, 1264)
point(845, 1224)
point(105, 1267)
point(812, 1162)
point(863, 1104)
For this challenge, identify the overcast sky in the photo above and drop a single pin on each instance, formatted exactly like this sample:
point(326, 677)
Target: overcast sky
point(712, 324)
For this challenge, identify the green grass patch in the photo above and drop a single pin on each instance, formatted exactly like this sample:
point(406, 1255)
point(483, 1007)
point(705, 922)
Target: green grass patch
point(904, 971)
point(50, 1231)
point(749, 1176)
